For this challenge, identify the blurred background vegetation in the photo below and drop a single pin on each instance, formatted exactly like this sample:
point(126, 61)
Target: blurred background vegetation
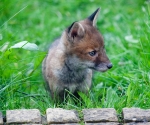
point(125, 25)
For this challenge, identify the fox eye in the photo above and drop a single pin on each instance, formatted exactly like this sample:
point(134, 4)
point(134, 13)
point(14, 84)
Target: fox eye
point(92, 53)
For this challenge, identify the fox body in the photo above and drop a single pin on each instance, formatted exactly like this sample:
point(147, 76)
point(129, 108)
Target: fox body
point(71, 58)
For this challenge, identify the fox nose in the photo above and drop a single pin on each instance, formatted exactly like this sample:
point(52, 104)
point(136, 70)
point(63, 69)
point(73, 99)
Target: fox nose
point(109, 66)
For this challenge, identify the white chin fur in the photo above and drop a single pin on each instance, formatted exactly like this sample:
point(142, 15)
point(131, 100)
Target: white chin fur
point(101, 69)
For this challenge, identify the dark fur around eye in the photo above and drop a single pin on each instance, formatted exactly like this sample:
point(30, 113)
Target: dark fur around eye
point(92, 53)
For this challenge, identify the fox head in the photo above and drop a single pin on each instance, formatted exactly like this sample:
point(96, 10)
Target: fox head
point(86, 44)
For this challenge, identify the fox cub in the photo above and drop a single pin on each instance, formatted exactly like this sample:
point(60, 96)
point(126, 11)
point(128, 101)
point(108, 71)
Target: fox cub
point(71, 58)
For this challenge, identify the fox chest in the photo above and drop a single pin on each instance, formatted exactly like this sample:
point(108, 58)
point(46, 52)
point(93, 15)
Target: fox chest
point(72, 77)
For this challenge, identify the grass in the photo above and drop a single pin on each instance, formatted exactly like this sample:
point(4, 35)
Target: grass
point(125, 26)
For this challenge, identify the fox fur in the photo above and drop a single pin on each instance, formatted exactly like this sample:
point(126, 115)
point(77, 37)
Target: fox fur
point(72, 57)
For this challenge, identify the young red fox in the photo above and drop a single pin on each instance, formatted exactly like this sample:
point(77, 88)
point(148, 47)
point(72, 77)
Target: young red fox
point(72, 57)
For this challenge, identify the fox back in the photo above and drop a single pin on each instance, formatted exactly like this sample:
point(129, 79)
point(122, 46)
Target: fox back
point(72, 57)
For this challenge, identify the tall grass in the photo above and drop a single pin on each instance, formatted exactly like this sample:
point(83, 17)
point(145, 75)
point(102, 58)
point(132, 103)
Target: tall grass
point(125, 26)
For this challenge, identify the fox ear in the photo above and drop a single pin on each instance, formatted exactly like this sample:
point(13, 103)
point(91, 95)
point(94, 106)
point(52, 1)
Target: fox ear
point(76, 30)
point(94, 16)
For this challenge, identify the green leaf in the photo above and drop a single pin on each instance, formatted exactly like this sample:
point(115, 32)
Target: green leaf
point(86, 99)
point(129, 94)
point(1, 37)
point(111, 97)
